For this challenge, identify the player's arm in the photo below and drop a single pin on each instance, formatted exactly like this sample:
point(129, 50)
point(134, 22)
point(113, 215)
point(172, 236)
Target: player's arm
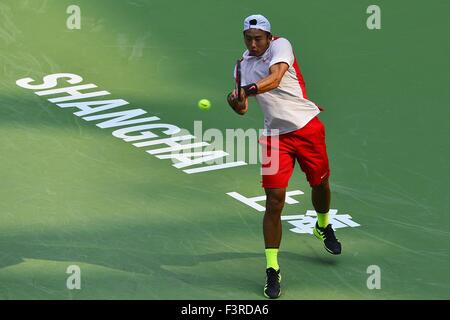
point(272, 81)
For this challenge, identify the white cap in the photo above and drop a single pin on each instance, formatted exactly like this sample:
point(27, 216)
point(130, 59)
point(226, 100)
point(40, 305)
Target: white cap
point(257, 21)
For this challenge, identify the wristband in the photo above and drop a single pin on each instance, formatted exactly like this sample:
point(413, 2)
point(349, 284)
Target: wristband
point(251, 89)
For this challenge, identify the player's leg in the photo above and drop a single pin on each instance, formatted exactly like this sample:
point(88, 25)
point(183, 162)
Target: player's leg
point(277, 166)
point(272, 216)
point(313, 159)
point(321, 197)
point(272, 237)
point(323, 230)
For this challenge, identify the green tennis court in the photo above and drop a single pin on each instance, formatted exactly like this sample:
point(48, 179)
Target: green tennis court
point(138, 227)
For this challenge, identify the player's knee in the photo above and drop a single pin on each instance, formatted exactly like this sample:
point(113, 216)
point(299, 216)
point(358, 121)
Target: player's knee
point(275, 200)
point(321, 185)
point(275, 203)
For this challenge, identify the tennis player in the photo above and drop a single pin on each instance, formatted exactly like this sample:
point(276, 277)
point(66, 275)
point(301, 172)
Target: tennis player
point(270, 72)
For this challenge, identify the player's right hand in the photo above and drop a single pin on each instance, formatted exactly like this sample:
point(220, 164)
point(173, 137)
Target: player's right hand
point(240, 107)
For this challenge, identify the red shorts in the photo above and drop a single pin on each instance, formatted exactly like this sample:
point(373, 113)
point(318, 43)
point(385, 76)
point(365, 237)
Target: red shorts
point(306, 145)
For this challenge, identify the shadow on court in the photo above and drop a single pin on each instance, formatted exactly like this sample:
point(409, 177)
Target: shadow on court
point(140, 253)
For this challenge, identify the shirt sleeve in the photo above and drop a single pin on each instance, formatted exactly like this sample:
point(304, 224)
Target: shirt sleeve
point(282, 52)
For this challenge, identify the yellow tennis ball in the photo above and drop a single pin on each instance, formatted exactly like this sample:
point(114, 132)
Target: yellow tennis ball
point(204, 104)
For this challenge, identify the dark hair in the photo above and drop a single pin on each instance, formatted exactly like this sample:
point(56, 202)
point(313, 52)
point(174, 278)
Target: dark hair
point(268, 34)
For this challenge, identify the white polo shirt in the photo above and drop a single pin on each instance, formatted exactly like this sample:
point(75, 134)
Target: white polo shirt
point(287, 107)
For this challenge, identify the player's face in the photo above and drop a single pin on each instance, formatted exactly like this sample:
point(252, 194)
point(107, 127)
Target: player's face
point(256, 41)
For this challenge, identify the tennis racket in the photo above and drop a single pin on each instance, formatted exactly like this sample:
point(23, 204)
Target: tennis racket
point(238, 80)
